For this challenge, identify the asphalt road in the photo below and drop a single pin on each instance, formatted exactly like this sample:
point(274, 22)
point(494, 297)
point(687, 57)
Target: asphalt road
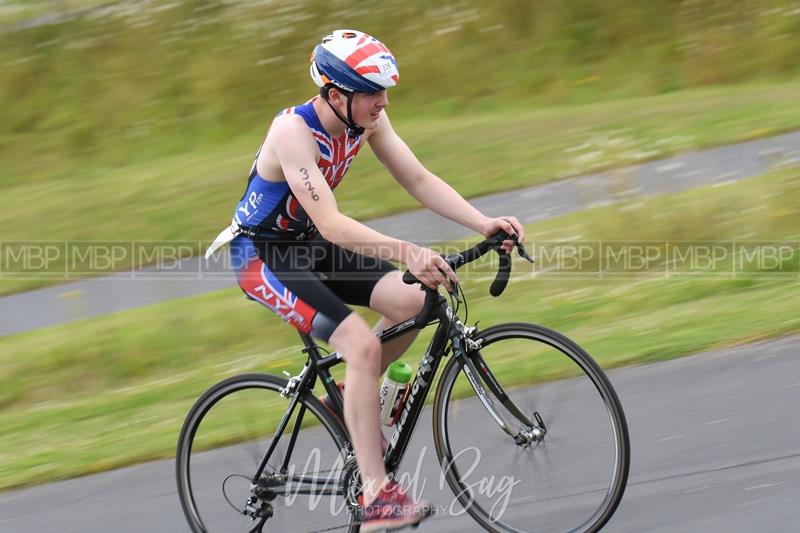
point(715, 440)
point(717, 166)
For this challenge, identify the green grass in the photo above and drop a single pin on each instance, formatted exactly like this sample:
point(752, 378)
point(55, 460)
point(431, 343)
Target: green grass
point(17, 12)
point(162, 77)
point(111, 391)
point(189, 197)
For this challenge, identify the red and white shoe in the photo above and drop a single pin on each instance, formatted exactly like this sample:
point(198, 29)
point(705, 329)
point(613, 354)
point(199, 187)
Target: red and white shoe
point(392, 509)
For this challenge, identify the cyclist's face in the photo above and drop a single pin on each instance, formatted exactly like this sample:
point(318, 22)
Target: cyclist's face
point(367, 108)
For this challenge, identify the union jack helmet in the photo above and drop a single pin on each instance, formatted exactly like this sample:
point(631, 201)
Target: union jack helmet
point(355, 62)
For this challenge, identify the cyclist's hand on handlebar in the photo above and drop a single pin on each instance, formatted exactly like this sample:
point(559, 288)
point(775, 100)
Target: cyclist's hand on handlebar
point(508, 224)
point(431, 269)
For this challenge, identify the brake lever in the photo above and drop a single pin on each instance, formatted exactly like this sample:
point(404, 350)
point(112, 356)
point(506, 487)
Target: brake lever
point(523, 252)
point(456, 293)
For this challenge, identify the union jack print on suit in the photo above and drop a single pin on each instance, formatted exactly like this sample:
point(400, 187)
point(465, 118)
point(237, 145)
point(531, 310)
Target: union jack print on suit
point(260, 284)
point(272, 205)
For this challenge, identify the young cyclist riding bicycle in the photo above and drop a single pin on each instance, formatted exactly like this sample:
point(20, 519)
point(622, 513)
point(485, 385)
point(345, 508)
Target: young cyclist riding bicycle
point(296, 253)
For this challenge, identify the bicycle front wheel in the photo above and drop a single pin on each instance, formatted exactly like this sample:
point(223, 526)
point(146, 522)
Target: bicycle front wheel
point(567, 468)
point(224, 440)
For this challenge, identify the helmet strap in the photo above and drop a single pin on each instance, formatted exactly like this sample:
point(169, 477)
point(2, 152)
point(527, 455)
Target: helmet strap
point(354, 130)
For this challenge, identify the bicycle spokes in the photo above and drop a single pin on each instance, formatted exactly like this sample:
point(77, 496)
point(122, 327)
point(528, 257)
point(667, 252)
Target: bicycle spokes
point(502, 447)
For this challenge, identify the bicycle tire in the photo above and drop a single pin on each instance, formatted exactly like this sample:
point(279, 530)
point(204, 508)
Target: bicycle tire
point(213, 397)
point(584, 380)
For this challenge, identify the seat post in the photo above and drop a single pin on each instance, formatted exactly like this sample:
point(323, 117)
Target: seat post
point(309, 343)
point(328, 384)
point(311, 350)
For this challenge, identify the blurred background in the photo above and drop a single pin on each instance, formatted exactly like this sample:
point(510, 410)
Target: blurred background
point(138, 120)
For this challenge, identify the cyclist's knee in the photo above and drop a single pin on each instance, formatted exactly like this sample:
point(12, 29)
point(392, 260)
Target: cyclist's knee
point(356, 342)
point(364, 353)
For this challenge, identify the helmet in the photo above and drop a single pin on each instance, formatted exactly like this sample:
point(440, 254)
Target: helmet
point(355, 62)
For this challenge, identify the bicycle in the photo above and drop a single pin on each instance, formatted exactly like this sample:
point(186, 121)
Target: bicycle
point(513, 416)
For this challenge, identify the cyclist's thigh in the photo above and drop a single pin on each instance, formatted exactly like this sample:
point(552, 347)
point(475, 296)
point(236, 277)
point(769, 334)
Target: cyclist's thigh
point(351, 276)
point(396, 300)
point(286, 285)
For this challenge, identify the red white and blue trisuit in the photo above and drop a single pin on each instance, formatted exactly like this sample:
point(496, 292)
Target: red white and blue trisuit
point(306, 282)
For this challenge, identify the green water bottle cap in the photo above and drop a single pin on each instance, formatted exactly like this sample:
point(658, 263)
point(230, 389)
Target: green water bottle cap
point(400, 372)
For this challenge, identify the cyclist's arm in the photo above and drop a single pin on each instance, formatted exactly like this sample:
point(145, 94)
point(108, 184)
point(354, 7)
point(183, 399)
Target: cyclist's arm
point(430, 190)
point(295, 149)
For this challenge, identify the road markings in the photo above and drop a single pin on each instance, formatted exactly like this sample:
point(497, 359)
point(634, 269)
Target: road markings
point(766, 357)
point(720, 420)
point(764, 486)
point(71, 294)
point(756, 487)
point(690, 173)
point(792, 385)
point(668, 167)
point(753, 502)
point(673, 437)
point(698, 489)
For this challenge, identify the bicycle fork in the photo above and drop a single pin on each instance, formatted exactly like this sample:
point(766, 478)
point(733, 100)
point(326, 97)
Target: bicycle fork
point(467, 351)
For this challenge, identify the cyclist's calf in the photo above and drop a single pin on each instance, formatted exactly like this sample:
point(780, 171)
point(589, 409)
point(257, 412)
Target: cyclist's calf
point(362, 351)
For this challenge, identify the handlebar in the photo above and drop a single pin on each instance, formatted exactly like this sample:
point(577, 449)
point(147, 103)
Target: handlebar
point(495, 242)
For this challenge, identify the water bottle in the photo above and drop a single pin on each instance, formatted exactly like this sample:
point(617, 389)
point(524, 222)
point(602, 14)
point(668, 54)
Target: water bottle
point(393, 390)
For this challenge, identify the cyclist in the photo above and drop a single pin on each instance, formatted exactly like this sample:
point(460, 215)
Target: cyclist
point(294, 252)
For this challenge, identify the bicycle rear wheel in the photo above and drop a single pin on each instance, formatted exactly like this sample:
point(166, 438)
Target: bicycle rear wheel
point(224, 439)
point(571, 479)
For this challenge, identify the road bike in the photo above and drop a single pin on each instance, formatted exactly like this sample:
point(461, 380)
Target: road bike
point(528, 431)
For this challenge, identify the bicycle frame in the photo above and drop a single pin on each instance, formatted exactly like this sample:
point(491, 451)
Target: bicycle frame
point(450, 330)
point(435, 308)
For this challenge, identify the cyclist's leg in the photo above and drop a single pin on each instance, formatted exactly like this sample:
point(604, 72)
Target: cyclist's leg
point(376, 284)
point(287, 286)
point(367, 281)
point(397, 302)
point(361, 350)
